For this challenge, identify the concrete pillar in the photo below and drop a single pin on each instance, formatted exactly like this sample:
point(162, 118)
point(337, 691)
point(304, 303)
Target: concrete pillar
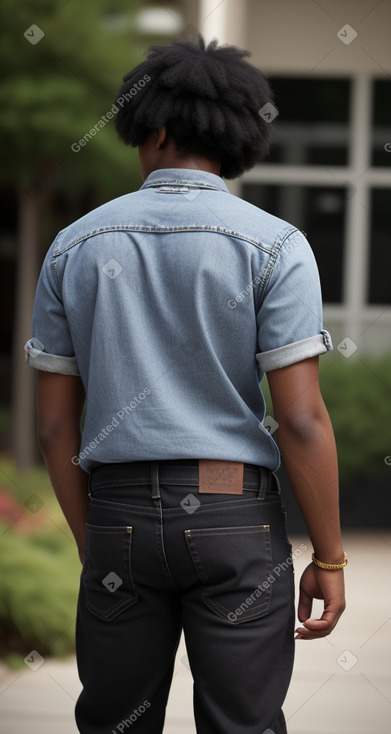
point(226, 21)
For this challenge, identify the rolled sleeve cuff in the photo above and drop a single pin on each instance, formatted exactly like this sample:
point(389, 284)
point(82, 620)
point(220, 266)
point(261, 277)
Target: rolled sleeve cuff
point(40, 360)
point(296, 352)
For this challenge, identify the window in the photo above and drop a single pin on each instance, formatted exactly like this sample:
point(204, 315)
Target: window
point(329, 174)
point(381, 123)
point(313, 122)
point(380, 247)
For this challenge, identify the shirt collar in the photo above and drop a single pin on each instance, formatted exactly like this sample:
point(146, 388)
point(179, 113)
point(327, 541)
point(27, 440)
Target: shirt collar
point(185, 176)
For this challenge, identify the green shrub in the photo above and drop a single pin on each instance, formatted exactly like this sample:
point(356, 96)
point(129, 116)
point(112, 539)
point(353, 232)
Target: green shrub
point(32, 483)
point(39, 569)
point(357, 393)
point(39, 578)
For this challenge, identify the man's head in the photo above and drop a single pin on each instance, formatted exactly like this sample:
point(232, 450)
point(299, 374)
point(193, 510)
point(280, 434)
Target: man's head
point(202, 101)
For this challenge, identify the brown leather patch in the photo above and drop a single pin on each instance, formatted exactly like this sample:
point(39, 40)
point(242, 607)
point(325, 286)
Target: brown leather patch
point(220, 477)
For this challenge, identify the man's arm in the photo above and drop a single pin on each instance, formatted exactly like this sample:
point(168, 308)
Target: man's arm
point(307, 445)
point(60, 405)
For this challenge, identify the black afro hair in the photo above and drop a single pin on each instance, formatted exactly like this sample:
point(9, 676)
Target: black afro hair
point(209, 99)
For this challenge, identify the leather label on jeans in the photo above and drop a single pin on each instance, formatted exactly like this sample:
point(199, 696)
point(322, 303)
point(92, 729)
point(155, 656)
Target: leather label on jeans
point(220, 477)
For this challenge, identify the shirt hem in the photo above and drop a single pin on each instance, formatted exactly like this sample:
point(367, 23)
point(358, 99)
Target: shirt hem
point(41, 360)
point(295, 352)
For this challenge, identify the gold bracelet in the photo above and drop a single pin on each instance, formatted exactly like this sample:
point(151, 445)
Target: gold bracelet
point(331, 566)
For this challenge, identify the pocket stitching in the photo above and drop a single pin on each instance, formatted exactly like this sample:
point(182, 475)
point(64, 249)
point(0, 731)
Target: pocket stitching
point(115, 609)
point(218, 608)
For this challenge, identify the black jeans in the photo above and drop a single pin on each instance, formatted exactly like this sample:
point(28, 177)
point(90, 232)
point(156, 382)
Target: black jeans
point(161, 557)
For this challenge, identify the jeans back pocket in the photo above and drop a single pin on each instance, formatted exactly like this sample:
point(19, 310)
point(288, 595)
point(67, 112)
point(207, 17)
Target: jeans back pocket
point(107, 574)
point(233, 564)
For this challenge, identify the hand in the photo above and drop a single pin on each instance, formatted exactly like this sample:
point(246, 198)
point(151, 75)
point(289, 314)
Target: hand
point(317, 583)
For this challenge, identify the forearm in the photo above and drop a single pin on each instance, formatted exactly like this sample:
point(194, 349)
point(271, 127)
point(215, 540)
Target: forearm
point(60, 405)
point(306, 440)
point(70, 483)
point(310, 459)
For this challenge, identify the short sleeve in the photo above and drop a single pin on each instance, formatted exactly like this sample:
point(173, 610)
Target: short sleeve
point(50, 349)
point(289, 321)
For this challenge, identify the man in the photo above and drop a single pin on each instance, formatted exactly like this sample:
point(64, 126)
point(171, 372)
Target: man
point(164, 308)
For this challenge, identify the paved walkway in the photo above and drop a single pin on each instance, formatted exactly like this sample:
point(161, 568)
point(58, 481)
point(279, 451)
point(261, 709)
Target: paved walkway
point(341, 685)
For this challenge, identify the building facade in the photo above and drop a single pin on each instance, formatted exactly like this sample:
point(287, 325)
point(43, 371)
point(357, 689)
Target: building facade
point(329, 171)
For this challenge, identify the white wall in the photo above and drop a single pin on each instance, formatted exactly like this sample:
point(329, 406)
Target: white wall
point(300, 36)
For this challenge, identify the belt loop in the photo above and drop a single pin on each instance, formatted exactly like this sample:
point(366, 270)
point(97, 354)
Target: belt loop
point(263, 483)
point(155, 480)
point(275, 478)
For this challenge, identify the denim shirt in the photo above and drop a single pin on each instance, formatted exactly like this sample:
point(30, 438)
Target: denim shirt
point(171, 303)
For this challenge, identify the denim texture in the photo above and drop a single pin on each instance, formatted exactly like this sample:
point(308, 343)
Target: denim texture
point(170, 303)
point(162, 558)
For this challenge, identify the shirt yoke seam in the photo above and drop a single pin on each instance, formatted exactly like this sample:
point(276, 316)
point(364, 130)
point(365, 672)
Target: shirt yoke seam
point(164, 230)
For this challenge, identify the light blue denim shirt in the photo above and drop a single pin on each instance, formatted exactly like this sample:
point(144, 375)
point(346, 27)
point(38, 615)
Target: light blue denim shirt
point(170, 303)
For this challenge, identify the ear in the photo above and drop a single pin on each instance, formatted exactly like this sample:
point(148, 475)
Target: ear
point(161, 137)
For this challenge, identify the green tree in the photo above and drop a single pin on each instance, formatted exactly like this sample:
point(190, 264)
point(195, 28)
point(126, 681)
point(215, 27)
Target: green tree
point(63, 63)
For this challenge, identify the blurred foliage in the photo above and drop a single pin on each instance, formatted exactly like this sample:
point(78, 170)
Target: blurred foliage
point(39, 568)
point(53, 92)
point(356, 392)
point(38, 593)
point(23, 484)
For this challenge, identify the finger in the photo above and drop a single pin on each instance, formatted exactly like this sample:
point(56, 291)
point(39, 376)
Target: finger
point(314, 628)
point(306, 634)
point(305, 606)
point(314, 636)
point(313, 625)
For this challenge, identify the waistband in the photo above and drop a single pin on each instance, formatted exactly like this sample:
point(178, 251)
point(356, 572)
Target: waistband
point(175, 472)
